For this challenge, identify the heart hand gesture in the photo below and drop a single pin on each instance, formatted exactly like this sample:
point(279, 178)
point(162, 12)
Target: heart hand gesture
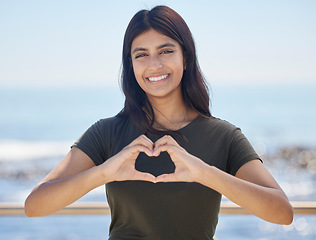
point(121, 167)
point(188, 167)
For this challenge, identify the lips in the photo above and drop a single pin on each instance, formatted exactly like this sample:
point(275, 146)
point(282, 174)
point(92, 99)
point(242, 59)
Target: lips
point(158, 78)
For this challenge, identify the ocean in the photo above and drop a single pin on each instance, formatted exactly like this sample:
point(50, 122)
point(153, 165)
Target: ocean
point(38, 126)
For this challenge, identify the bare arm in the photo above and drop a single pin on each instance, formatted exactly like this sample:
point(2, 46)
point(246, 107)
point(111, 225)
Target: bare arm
point(71, 179)
point(253, 187)
point(76, 175)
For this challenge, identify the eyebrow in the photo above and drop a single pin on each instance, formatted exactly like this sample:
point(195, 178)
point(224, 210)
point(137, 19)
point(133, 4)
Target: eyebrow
point(168, 44)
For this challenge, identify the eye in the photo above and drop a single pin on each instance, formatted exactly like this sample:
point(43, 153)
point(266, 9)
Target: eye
point(167, 51)
point(140, 55)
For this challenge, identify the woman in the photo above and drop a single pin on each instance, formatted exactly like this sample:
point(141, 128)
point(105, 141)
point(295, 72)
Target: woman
point(164, 159)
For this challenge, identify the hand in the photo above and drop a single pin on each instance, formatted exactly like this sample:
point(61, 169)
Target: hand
point(121, 167)
point(188, 167)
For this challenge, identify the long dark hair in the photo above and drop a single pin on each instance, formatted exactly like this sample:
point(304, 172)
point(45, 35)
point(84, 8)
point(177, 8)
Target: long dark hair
point(194, 88)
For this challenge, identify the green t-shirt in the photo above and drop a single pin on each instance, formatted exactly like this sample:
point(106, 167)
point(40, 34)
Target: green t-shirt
point(144, 210)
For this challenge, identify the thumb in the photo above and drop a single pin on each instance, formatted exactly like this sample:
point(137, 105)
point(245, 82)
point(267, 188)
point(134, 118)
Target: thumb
point(166, 178)
point(141, 176)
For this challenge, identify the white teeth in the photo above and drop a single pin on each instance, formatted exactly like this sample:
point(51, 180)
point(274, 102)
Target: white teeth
point(154, 79)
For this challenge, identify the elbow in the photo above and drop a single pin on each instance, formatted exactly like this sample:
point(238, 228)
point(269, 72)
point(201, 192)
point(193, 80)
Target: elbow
point(34, 208)
point(284, 212)
point(286, 215)
point(28, 213)
point(31, 209)
point(281, 213)
point(28, 210)
point(288, 219)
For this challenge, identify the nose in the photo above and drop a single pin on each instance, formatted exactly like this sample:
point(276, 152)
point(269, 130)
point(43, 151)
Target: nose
point(155, 63)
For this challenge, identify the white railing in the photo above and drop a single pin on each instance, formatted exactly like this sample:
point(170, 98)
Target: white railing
point(95, 208)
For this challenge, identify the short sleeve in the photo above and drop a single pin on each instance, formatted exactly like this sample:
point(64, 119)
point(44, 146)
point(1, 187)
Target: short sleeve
point(92, 143)
point(240, 152)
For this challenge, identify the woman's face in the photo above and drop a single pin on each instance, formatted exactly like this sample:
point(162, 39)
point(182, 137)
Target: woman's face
point(158, 64)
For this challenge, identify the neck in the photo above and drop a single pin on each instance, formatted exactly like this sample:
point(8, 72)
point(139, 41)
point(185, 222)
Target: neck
point(171, 114)
point(168, 108)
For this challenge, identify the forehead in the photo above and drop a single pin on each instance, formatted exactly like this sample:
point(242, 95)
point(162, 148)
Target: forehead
point(152, 39)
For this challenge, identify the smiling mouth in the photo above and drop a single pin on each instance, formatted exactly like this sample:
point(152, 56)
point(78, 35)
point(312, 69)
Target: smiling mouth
point(155, 79)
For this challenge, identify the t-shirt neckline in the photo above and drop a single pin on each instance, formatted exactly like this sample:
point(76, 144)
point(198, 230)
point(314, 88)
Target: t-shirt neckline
point(190, 123)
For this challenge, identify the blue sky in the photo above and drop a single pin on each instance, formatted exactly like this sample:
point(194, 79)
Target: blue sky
point(78, 43)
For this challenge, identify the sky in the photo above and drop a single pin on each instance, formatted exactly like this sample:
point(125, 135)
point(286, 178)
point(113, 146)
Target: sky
point(66, 43)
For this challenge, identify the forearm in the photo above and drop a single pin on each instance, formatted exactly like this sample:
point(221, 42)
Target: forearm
point(49, 197)
point(270, 204)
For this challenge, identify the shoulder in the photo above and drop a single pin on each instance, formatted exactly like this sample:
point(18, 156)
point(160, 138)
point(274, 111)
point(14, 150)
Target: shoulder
point(106, 128)
point(113, 123)
point(117, 128)
point(211, 131)
point(106, 136)
point(214, 124)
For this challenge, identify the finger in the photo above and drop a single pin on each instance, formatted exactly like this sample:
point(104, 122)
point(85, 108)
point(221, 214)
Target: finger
point(141, 148)
point(141, 176)
point(143, 140)
point(164, 148)
point(167, 178)
point(167, 139)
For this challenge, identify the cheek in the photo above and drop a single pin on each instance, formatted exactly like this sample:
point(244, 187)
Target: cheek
point(135, 69)
point(137, 73)
point(178, 66)
point(179, 72)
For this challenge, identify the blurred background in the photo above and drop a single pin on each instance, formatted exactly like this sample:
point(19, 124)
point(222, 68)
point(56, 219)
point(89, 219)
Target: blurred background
point(59, 73)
